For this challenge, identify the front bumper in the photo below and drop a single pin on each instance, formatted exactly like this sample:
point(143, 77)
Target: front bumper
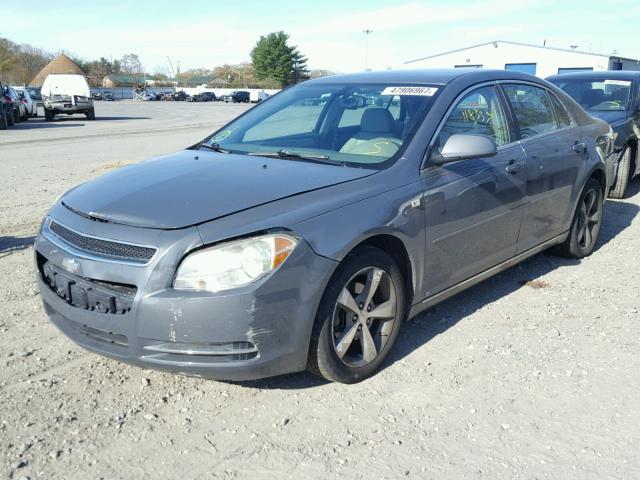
point(253, 332)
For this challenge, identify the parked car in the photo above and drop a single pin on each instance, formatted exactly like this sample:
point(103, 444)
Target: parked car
point(202, 97)
point(30, 104)
point(18, 108)
point(237, 97)
point(96, 95)
point(107, 96)
point(67, 94)
point(34, 93)
point(614, 97)
point(293, 239)
point(6, 110)
point(180, 96)
point(149, 97)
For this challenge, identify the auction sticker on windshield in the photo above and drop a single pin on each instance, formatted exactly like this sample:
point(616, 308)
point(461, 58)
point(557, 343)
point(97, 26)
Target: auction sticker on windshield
point(423, 91)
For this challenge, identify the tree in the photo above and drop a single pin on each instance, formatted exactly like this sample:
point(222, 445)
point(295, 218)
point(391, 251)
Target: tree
point(300, 71)
point(7, 57)
point(273, 58)
point(130, 64)
point(31, 60)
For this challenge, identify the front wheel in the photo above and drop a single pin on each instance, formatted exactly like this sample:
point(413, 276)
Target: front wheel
point(48, 115)
point(91, 114)
point(586, 224)
point(359, 317)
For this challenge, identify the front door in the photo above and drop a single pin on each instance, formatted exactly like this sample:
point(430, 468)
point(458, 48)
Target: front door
point(473, 207)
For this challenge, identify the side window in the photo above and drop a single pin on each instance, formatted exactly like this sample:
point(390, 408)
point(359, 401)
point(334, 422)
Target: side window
point(480, 113)
point(532, 108)
point(564, 120)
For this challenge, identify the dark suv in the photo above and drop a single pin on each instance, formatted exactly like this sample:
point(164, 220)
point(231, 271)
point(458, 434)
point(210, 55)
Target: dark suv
point(6, 112)
point(614, 97)
point(237, 97)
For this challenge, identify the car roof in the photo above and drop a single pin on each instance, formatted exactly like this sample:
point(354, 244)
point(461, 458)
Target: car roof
point(607, 74)
point(425, 76)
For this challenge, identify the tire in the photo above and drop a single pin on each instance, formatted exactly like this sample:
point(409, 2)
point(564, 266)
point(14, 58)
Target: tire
point(338, 328)
point(584, 236)
point(619, 188)
point(16, 116)
point(91, 114)
point(24, 117)
point(10, 119)
point(3, 119)
point(48, 115)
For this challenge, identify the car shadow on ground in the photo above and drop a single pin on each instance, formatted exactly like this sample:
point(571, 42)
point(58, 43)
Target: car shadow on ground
point(34, 123)
point(436, 320)
point(11, 244)
point(101, 118)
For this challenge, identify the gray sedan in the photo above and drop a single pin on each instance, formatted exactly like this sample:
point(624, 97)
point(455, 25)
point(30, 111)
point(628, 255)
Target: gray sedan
point(302, 234)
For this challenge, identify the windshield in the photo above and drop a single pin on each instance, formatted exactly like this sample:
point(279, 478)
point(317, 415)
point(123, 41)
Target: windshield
point(599, 95)
point(351, 124)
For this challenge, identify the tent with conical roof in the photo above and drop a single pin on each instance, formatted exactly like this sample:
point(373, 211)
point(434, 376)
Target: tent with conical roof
point(60, 64)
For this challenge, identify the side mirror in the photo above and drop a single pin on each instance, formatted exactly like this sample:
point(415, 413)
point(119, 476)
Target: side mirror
point(465, 147)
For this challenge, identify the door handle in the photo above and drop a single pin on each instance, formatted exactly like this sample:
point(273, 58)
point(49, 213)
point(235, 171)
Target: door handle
point(579, 147)
point(514, 167)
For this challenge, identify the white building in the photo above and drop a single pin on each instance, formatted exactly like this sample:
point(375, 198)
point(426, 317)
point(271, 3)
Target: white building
point(534, 59)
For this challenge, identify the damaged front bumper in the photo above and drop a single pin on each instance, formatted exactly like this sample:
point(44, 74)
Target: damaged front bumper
point(128, 310)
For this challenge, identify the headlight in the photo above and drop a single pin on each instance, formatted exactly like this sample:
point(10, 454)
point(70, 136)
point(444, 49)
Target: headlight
point(233, 264)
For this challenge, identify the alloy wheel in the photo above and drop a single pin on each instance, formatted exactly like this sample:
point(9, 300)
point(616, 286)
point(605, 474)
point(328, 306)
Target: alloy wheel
point(589, 217)
point(364, 316)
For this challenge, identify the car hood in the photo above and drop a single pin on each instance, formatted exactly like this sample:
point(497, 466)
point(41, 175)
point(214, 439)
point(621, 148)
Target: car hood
point(191, 187)
point(609, 117)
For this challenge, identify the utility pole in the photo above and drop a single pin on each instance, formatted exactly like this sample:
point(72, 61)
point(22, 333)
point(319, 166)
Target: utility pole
point(366, 32)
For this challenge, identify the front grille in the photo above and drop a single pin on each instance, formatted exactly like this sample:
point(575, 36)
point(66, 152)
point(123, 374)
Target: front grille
point(122, 251)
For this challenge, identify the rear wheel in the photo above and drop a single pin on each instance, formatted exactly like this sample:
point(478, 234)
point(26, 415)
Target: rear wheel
point(586, 224)
point(619, 188)
point(359, 317)
point(9, 116)
point(48, 115)
point(16, 116)
point(3, 119)
point(91, 114)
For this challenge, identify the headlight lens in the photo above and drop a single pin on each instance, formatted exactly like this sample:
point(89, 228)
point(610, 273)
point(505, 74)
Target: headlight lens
point(233, 264)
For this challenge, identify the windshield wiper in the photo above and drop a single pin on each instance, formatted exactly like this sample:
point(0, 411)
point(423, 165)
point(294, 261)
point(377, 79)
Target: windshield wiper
point(215, 147)
point(286, 154)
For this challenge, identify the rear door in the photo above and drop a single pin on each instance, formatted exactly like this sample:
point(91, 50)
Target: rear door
point(555, 155)
point(473, 207)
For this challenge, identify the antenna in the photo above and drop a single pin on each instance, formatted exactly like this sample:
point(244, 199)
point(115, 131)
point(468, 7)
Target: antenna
point(366, 32)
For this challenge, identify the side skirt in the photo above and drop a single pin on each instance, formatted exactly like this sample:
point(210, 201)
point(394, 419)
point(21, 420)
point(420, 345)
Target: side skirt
point(455, 289)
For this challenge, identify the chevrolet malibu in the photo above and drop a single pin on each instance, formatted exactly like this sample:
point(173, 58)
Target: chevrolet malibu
point(302, 234)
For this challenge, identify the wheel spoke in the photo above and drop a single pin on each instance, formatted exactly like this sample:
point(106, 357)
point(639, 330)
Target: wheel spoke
point(588, 237)
point(384, 310)
point(589, 201)
point(347, 302)
point(373, 281)
point(594, 217)
point(346, 340)
point(581, 231)
point(369, 350)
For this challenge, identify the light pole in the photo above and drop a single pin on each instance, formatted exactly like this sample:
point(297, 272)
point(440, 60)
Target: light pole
point(366, 32)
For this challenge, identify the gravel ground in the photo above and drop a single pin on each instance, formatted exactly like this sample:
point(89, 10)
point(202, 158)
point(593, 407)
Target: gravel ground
point(533, 374)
